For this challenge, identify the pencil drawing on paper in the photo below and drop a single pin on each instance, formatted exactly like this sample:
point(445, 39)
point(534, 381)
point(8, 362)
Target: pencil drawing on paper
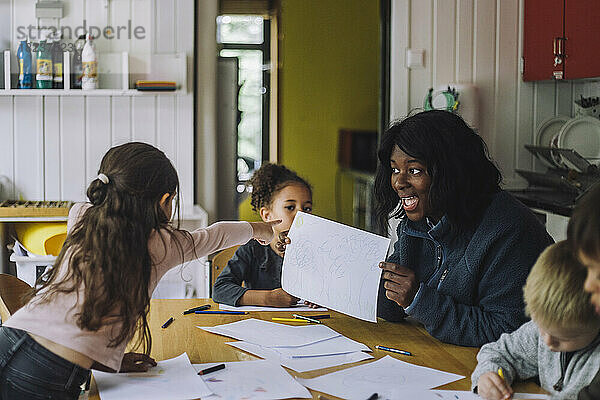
point(383, 377)
point(333, 265)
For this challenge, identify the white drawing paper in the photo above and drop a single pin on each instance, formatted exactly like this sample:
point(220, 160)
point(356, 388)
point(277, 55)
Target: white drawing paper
point(458, 395)
point(173, 379)
point(334, 265)
point(270, 334)
point(252, 380)
point(388, 377)
point(301, 364)
point(299, 308)
point(328, 347)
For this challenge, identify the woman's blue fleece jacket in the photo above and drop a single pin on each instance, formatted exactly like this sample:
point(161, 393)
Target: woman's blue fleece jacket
point(470, 283)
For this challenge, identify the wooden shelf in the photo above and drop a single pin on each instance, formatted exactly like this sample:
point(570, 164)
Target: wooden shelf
point(118, 66)
point(79, 92)
point(34, 209)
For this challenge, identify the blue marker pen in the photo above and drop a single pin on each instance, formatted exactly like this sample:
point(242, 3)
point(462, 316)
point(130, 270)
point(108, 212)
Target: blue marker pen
point(405, 353)
point(166, 324)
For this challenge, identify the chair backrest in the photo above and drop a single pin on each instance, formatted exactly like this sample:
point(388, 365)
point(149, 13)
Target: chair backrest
point(12, 290)
point(219, 262)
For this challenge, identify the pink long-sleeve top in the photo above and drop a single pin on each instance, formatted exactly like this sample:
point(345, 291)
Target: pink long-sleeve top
point(56, 320)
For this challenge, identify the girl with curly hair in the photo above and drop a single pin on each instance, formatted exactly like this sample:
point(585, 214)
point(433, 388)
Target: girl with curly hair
point(277, 193)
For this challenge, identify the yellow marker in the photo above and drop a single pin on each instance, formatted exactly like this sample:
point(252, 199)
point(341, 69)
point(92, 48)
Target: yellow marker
point(298, 321)
point(500, 373)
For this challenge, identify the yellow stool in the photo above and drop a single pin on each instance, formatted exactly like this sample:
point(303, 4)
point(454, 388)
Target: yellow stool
point(43, 238)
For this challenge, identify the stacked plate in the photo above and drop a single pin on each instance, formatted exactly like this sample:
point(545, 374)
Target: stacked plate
point(547, 136)
point(581, 134)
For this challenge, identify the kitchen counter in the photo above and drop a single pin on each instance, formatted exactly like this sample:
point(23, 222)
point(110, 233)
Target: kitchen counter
point(560, 203)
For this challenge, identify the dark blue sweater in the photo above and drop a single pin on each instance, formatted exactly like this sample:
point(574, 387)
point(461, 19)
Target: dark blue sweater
point(257, 266)
point(471, 283)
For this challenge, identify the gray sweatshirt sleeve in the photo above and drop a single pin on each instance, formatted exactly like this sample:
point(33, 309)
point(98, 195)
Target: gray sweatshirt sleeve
point(516, 353)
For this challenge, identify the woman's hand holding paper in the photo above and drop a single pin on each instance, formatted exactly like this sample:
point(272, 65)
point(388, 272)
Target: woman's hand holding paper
point(400, 283)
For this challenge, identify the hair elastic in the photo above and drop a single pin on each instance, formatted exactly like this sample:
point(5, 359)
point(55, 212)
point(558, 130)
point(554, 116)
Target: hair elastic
point(103, 178)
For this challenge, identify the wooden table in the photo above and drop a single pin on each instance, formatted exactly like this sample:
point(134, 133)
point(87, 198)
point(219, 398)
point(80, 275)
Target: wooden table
point(203, 347)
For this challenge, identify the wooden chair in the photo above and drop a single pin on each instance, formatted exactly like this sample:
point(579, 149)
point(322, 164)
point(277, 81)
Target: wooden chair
point(219, 262)
point(12, 290)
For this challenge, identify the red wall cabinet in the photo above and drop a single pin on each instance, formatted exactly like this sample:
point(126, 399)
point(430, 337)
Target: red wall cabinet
point(561, 39)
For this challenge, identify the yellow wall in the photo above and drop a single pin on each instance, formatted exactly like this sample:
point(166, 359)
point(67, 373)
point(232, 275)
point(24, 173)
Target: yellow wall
point(329, 79)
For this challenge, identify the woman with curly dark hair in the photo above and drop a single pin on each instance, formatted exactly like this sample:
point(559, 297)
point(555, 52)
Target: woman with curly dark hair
point(465, 247)
point(277, 193)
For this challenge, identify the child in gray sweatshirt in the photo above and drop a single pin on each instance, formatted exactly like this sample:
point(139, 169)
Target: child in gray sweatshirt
point(561, 343)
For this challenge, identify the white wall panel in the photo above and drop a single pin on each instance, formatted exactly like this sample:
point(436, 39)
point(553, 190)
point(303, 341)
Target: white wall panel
point(484, 65)
point(185, 104)
point(400, 79)
point(52, 145)
point(72, 145)
point(23, 15)
point(98, 134)
point(165, 26)
point(165, 129)
point(141, 49)
point(564, 97)
point(121, 120)
point(120, 15)
point(581, 89)
point(95, 15)
point(183, 44)
point(524, 99)
point(444, 64)
point(144, 119)
point(52, 148)
point(464, 41)
point(73, 19)
point(478, 42)
point(506, 84)
point(28, 147)
point(206, 107)
point(7, 153)
point(5, 25)
point(421, 38)
point(185, 143)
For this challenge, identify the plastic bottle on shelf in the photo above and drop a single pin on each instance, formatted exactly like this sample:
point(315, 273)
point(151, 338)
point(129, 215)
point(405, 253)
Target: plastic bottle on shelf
point(44, 68)
point(76, 66)
point(57, 62)
point(24, 58)
point(89, 61)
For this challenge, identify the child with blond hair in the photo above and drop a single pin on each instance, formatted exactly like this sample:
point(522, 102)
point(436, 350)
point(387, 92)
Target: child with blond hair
point(560, 344)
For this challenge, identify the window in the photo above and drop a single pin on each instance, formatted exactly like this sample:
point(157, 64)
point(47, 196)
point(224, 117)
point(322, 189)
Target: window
point(247, 37)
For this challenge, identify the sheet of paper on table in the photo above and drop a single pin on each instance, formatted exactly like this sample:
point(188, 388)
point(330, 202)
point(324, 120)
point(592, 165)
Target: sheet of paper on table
point(387, 377)
point(299, 308)
point(172, 379)
point(303, 364)
point(334, 265)
point(327, 347)
point(252, 380)
point(271, 334)
point(460, 395)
